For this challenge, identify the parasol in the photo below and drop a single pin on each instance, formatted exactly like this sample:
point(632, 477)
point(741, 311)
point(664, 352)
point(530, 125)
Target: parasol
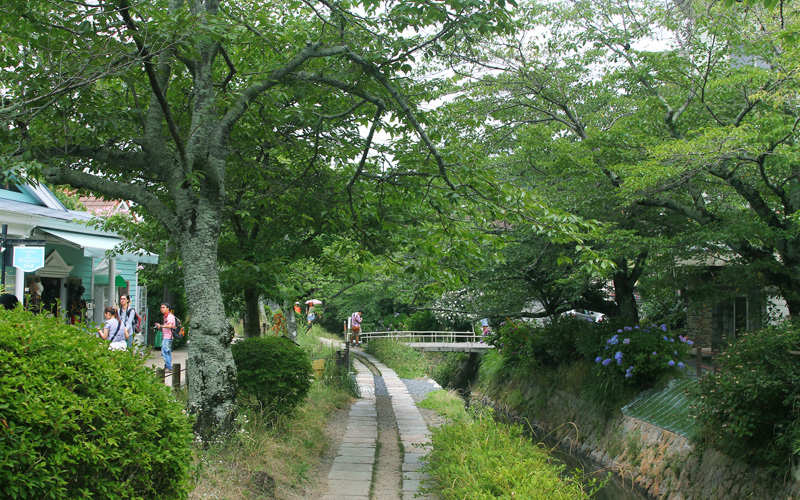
point(313, 302)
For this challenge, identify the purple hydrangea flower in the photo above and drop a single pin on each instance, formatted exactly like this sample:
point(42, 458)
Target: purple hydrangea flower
point(618, 357)
point(627, 328)
point(626, 341)
point(671, 363)
point(655, 353)
point(681, 365)
point(606, 362)
point(664, 327)
point(619, 331)
point(629, 372)
point(598, 359)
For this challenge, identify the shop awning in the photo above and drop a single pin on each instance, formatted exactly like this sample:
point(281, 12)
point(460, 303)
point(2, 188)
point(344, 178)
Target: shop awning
point(94, 245)
point(102, 279)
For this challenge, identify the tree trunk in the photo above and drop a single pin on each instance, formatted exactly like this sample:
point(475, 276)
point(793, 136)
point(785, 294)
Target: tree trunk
point(252, 316)
point(624, 292)
point(211, 370)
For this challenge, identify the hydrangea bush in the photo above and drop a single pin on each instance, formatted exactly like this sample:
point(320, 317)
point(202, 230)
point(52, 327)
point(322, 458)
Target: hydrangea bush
point(635, 355)
point(641, 354)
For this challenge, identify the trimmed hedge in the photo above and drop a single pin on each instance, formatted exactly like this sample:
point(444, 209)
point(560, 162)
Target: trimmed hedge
point(80, 421)
point(273, 371)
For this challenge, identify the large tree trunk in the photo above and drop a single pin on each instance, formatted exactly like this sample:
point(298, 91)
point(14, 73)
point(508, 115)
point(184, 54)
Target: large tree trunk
point(211, 370)
point(624, 287)
point(252, 315)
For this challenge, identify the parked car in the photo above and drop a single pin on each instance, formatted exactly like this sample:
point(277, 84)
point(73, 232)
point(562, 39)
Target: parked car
point(585, 314)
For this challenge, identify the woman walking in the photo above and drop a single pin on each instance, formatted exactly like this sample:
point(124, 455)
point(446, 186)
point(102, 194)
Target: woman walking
point(112, 330)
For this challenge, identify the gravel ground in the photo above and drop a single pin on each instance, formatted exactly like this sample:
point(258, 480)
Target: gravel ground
point(419, 388)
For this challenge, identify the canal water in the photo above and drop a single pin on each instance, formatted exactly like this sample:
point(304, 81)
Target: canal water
point(615, 488)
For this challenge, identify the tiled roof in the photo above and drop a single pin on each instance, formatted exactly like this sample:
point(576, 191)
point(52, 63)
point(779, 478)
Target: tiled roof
point(99, 206)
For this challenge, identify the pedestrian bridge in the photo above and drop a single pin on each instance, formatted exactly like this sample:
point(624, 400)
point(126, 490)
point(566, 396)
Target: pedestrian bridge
point(433, 341)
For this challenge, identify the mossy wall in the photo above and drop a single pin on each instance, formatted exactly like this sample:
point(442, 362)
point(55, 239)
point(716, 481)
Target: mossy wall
point(660, 463)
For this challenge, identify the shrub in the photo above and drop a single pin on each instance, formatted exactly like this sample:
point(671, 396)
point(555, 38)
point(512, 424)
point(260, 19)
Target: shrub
point(423, 321)
point(640, 355)
point(279, 326)
point(273, 371)
point(80, 421)
point(547, 345)
point(749, 409)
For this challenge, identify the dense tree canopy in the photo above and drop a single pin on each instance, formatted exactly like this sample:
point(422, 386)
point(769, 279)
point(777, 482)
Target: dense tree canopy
point(672, 123)
point(163, 103)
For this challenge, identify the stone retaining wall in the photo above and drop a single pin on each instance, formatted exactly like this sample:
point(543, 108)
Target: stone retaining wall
point(658, 462)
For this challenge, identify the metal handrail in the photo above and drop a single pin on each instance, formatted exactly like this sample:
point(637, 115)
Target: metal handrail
point(423, 336)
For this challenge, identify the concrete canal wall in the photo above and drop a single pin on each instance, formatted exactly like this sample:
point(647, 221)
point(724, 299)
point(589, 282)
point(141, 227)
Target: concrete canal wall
point(660, 463)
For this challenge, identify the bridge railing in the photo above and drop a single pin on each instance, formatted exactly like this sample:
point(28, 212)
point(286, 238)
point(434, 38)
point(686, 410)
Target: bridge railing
point(423, 336)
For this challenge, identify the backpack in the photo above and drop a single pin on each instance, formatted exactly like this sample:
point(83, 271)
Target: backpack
point(177, 331)
point(137, 321)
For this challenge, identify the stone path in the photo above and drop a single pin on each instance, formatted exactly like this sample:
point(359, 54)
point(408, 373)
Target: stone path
point(351, 475)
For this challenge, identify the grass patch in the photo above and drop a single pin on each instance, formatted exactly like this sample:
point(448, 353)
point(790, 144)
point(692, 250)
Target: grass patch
point(272, 456)
point(478, 458)
point(446, 403)
point(405, 361)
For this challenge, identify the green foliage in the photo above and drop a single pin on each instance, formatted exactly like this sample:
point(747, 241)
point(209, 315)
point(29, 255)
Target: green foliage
point(273, 371)
point(80, 421)
point(268, 456)
point(479, 458)
point(547, 345)
point(624, 359)
point(447, 404)
point(444, 366)
point(638, 355)
point(750, 408)
point(334, 375)
point(407, 362)
point(423, 321)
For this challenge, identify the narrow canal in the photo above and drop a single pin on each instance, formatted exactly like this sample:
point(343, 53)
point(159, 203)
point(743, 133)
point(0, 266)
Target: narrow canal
point(615, 488)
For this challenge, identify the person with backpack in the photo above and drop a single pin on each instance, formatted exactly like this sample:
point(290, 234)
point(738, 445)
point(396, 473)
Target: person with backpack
point(112, 330)
point(129, 317)
point(166, 336)
point(355, 324)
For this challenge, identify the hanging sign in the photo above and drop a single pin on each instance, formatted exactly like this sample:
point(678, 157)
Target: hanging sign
point(29, 259)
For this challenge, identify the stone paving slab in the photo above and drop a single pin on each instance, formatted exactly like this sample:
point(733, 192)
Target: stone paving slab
point(352, 467)
point(357, 451)
point(410, 424)
point(351, 475)
point(347, 487)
